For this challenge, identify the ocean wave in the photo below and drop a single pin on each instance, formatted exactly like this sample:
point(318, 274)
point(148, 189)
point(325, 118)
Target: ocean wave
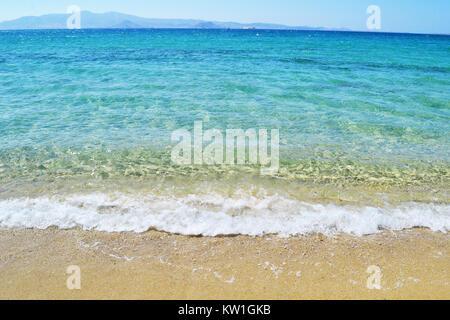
point(214, 215)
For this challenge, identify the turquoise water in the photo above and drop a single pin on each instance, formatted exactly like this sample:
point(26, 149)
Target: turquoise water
point(362, 117)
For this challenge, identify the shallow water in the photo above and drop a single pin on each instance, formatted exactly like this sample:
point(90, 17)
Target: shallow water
point(363, 121)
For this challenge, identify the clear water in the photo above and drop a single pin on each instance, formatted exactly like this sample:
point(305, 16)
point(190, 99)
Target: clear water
point(364, 118)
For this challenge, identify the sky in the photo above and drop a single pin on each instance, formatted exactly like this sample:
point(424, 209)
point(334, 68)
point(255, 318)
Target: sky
point(421, 16)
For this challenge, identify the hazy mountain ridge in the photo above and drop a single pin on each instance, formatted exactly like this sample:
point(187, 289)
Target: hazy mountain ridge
point(115, 20)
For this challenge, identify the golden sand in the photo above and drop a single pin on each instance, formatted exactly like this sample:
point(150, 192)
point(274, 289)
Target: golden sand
point(414, 264)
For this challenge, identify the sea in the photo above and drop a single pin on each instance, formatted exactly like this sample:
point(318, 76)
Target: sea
point(87, 119)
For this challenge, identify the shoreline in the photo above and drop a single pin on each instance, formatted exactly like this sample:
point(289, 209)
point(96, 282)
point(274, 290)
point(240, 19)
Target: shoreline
point(157, 265)
point(252, 213)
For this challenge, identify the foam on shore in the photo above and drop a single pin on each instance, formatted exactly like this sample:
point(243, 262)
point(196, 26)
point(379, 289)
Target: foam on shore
point(213, 215)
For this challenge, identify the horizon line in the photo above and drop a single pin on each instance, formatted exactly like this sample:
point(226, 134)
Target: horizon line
point(288, 27)
point(236, 29)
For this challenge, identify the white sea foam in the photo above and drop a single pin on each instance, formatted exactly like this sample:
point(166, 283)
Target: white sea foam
point(212, 215)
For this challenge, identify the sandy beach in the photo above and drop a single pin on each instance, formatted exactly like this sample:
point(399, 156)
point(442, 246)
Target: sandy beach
point(414, 264)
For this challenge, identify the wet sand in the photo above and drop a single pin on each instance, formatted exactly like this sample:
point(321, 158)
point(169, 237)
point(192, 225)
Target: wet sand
point(414, 264)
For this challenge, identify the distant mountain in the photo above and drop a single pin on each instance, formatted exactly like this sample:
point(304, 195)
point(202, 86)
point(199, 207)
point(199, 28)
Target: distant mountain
point(207, 25)
point(115, 20)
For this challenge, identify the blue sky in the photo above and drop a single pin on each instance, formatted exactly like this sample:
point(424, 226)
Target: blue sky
point(432, 16)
